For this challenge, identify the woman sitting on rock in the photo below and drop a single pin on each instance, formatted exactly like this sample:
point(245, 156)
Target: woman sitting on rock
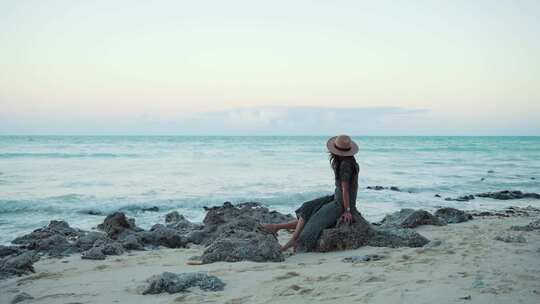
point(321, 213)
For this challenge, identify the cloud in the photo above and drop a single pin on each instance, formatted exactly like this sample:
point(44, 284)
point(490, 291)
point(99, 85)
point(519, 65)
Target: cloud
point(283, 120)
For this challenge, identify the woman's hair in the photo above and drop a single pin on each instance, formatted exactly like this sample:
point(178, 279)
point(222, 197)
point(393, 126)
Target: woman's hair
point(335, 162)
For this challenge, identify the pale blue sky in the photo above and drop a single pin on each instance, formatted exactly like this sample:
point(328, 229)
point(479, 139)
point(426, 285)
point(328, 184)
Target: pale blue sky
point(270, 67)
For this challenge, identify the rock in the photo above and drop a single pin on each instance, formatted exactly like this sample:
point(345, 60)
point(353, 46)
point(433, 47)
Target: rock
point(409, 218)
point(8, 250)
point(54, 228)
point(464, 198)
point(510, 238)
point(112, 248)
point(234, 233)
point(173, 283)
point(196, 237)
point(56, 245)
point(535, 225)
point(117, 224)
point(508, 195)
point(361, 233)
point(179, 222)
point(363, 258)
point(21, 297)
point(251, 247)
point(103, 247)
point(93, 212)
point(395, 238)
point(151, 209)
point(132, 242)
point(18, 264)
point(379, 188)
point(437, 195)
point(452, 215)
point(241, 238)
point(483, 213)
point(87, 240)
point(94, 253)
point(227, 212)
point(160, 235)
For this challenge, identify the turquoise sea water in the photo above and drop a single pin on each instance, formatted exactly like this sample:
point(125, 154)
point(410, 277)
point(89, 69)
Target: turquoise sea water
point(65, 177)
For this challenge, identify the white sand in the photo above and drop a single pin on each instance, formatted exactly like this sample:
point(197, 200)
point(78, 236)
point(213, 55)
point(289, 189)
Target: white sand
point(467, 263)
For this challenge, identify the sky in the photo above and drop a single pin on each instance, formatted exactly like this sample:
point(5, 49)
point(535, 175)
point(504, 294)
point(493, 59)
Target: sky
point(270, 67)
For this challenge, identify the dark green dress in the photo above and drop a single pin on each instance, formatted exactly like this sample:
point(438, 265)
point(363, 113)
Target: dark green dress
point(323, 212)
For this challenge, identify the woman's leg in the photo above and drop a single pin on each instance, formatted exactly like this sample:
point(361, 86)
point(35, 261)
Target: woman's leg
point(322, 219)
point(274, 228)
point(298, 229)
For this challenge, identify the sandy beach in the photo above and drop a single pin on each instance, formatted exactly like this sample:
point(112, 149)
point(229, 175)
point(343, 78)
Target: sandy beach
point(462, 264)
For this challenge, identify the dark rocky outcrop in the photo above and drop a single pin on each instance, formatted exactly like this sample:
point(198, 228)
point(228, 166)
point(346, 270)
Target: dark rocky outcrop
point(255, 247)
point(498, 195)
point(131, 242)
point(160, 235)
point(395, 238)
point(54, 228)
point(231, 221)
point(410, 218)
point(508, 195)
point(360, 233)
point(464, 198)
point(379, 188)
point(94, 253)
point(535, 225)
point(118, 225)
point(173, 283)
point(177, 221)
point(18, 264)
point(8, 250)
point(88, 240)
point(228, 211)
point(234, 233)
point(56, 239)
point(452, 215)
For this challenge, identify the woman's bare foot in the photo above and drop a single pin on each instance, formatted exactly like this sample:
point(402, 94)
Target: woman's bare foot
point(291, 243)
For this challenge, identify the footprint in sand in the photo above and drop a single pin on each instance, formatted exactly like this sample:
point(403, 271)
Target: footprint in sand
point(341, 277)
point(288, 275)
point(373, 279)
point(239, 300)
point(295, 290)
point(317, 279)
point(102, 267)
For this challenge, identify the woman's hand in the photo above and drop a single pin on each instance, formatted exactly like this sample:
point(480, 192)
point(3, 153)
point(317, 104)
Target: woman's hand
point(346, 217)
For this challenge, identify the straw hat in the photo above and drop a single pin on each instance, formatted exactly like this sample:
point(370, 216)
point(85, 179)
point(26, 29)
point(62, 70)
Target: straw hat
point(342, 145)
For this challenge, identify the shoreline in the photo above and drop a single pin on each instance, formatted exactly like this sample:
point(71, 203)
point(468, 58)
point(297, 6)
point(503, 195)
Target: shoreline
point(462, 263)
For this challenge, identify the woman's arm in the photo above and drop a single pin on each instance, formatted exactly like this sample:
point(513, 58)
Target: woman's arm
point(347, 216)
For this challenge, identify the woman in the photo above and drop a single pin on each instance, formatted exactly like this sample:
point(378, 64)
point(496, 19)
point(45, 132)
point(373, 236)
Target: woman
point(316, 215)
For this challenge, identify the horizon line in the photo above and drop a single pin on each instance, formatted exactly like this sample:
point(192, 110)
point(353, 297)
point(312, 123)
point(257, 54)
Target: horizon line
point(249, 135)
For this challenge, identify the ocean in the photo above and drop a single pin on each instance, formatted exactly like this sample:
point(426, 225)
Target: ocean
point(80, 179)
